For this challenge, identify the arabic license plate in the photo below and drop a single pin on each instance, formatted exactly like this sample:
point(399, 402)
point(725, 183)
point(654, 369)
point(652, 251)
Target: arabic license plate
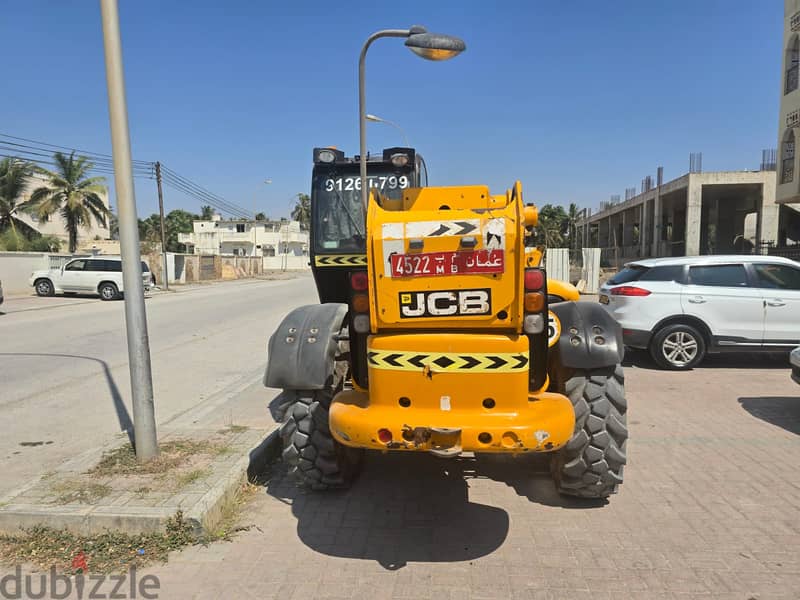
point(447, 263)
point(603, 299)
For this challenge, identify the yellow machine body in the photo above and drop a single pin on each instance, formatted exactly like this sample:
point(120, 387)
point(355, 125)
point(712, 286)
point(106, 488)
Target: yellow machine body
point(448, 361)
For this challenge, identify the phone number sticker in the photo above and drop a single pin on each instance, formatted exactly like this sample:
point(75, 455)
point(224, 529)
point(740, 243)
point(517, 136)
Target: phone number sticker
point(447, 263)
point(350, 184)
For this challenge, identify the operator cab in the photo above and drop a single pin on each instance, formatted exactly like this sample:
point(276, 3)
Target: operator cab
point(338, 223)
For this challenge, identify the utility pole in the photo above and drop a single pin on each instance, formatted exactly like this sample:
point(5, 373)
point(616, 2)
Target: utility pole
point(144, 424)
point(163, 230)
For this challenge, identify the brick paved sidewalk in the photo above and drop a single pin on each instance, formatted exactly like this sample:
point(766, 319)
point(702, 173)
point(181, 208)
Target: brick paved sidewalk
point(710, 509)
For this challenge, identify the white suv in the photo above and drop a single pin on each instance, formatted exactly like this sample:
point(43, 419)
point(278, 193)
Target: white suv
point(682, 308)
point(92, 275)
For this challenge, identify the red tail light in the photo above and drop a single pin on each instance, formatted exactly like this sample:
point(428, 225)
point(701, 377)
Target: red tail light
point(629, 290)
point(534, 279)
point(359, 281)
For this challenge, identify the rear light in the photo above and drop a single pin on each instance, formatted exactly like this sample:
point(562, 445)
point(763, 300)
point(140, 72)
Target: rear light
point(361, 323)
point(359, 281)
point(534, 280)
point(629, 290)
point(533, 324)
point(384, 435)
point(534, 302)
point(360, 303)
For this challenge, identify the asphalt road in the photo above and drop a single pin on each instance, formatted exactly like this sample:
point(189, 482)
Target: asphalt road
point(64, 380)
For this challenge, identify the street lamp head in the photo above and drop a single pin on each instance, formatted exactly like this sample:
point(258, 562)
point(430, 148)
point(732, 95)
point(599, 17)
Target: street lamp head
point(434, 46)
point(373, 118)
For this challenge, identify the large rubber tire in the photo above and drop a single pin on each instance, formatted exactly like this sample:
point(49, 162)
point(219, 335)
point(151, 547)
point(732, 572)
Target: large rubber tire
point(678, 347)
point(44, 287)
point(313, 457)
point(592, 462)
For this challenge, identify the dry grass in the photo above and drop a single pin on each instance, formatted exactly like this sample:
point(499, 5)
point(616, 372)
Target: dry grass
point(173, 454)
point(82, 492)
point(109, 552)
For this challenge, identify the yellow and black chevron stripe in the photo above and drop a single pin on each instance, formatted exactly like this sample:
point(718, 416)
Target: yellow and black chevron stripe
point(451, 362)
point(340, 260)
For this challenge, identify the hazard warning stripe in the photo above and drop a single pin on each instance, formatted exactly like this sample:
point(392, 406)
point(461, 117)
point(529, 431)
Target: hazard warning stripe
point(340, 260)
point(451, 362)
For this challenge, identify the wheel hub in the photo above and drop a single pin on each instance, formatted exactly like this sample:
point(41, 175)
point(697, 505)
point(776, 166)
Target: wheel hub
point(679, 348)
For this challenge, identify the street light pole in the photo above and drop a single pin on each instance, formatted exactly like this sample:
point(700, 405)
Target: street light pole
point(255, 198)
point(430, 46)
point(393, 124)
point(144, 424)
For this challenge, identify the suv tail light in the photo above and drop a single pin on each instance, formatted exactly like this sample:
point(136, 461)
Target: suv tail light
point(629, 290)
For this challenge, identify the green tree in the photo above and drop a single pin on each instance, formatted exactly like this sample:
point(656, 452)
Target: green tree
point(572, 224)
point(206, 212)
point(553, 226)
point(261, 216)
point(177, 221)
point(15, 176)
point(68, 191)
point(302, 210)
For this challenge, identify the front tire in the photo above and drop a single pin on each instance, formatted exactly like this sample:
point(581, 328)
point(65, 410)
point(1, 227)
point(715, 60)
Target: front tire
point(592, 462)
point(44, 287)
point(108, 291)
point(678, 347)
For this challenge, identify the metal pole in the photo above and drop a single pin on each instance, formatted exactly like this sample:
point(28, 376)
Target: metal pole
point(135, 316)
point(163, 229)
point(362, 107)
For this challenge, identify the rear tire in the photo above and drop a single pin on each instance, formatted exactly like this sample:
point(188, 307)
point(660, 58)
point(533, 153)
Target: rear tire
point(108, 291)
point(315, 459)
point(592, 462)
point(44, 287)
point(678, 347)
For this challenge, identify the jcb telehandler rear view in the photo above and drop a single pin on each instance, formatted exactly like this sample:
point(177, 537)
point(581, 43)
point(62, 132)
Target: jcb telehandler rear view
point(435, 334)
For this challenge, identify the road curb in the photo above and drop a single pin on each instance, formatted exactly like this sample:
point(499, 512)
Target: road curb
point(202, 505)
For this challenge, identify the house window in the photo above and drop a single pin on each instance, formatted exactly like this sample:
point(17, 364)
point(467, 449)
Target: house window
point(240, 228)
point(792, 64)
point(787, 157)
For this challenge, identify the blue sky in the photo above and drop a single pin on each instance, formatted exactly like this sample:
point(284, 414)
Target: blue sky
point(577, 99)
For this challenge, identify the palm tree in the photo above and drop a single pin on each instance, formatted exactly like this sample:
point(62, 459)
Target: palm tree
point(302, 210)
point(15, 176)
point(68, 190)
point(572, 220)
point(206, 212)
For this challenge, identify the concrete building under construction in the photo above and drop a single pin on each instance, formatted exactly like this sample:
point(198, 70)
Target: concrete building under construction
point(698, 213)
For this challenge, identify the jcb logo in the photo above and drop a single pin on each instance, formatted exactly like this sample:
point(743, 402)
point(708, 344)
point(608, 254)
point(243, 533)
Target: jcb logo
point(447, 303)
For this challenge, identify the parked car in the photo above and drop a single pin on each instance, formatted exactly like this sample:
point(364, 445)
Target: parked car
point(681, 309)
point(91, 275)
point(794, 360)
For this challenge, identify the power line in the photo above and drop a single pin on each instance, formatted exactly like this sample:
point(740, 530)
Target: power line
point(41, 153)
point(83, 152)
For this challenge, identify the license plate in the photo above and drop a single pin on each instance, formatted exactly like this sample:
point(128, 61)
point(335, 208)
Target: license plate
point(447, 263)
point(603, 299)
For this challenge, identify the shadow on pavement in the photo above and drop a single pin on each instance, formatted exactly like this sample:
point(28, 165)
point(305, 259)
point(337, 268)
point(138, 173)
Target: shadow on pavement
point(778, 410)
point(739, 360)
point(408, 507)
point(125, 422)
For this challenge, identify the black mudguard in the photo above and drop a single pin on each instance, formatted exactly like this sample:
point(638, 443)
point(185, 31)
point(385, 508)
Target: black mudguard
point(597, 341)
point(302, 349)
